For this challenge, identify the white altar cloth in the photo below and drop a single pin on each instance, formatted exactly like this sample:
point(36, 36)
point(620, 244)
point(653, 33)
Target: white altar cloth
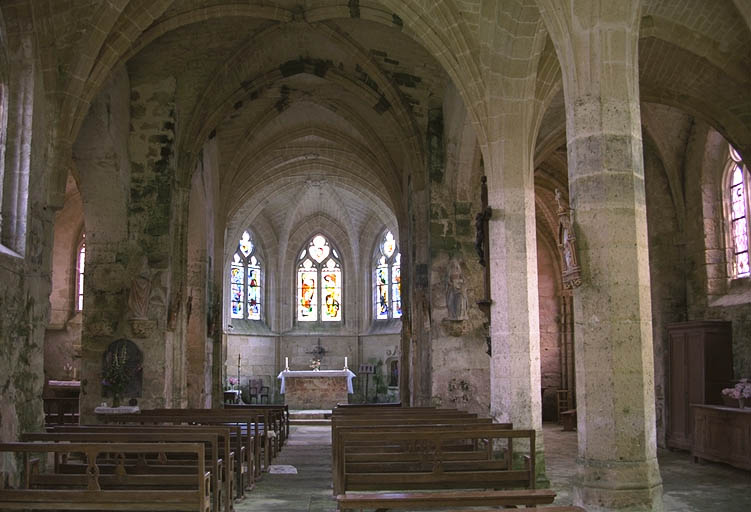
point(320, 373)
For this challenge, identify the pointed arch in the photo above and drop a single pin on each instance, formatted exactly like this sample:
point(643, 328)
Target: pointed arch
point(246, 280)
point(387, 281)
point(736, 190)
point(319, 282)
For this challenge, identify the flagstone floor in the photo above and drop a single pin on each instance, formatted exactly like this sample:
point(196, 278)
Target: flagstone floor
point(688, 487)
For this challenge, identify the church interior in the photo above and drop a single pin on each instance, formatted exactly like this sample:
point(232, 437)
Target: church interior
point(511, 208)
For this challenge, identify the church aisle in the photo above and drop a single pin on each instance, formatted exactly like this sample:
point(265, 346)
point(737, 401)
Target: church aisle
point(309, 451)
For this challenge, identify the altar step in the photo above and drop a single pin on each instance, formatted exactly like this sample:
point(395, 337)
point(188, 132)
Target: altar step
point(316, 417)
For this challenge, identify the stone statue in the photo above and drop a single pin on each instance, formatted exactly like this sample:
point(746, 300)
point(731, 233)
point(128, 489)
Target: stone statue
point(140, 291)
point(570, 271)
point(456, 296)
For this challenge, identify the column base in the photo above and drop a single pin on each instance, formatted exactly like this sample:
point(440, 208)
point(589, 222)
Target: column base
point(602, 486)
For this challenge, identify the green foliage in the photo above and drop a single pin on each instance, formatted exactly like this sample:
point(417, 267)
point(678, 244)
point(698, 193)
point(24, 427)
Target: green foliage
point(379, 379)
point(116, 373)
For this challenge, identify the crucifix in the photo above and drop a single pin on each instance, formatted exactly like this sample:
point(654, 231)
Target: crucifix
point(482, 246)
point(318, 351)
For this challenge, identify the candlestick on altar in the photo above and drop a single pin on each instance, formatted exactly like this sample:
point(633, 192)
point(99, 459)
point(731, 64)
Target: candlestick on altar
point(238, 371)
point(286, 363)
point(345, 362)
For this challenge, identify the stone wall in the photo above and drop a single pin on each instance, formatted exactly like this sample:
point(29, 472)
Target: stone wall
point(25, 268)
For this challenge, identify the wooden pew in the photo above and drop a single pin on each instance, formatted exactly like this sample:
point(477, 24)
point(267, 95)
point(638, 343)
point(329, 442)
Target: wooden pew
point(439, 500)
point(260, 423)
point(442, 418)
point(59, 411)
point(44, 490)
point(376, 449)
point(215, 453)
point(225, 437)
point(282, 409)
point(246, 464)
point(428, 460)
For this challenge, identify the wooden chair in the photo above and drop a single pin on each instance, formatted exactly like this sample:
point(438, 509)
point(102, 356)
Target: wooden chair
point(257, 390)
point(564, 402)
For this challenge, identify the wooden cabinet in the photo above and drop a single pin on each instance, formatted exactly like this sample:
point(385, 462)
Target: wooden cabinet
point(700, 364)
point(722, 434)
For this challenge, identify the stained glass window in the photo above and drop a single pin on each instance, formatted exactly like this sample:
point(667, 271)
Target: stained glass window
point(739, 215)
point(388, 281)
point(80, 261)
point(319, 282)
point(246, 290)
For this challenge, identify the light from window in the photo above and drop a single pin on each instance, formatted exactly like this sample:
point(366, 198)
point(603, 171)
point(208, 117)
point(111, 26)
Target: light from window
point(396, 287)
point(307, 310)
point(739, 217)
point(245, 274)
point(388, 281)
point(80, 261)
point(319, 282)
point(332, 292)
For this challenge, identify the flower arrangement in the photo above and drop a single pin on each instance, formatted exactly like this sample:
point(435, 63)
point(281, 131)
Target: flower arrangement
point(741, 391)
point(315, 364)
point(116, 374)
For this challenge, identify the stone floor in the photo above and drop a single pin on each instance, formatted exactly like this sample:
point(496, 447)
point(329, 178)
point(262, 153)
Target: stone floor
point(688, 487)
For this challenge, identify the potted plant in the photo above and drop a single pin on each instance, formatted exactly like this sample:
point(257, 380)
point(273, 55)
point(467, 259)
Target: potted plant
point(741, 392)
point(116, 374)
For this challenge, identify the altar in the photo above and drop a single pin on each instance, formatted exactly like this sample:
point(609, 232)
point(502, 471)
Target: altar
point(315, 389)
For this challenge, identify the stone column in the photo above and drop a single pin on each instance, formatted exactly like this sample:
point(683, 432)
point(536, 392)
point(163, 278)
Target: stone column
point(512, 41)
point(514, 314)
point(596, 42)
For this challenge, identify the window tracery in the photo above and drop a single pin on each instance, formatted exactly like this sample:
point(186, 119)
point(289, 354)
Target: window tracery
point(738, 188)
point(319, 282)
point(246, 290)
point(388, 281)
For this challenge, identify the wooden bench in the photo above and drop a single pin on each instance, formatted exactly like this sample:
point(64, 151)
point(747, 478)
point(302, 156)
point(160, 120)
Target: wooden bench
point(439, 500)
point(446, 420)
point(281, 409)
point(261, 424)
point(215, 454)
point(42, 489)
point(59, 411)
point(246, 464)
point(429, 459)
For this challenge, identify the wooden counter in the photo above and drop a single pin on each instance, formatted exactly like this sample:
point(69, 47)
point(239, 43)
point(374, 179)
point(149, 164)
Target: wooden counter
point(722, 434)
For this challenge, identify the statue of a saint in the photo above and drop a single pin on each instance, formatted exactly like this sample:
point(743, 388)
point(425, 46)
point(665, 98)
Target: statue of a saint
point(140, 292)
point(571, 272)
point(456, 296)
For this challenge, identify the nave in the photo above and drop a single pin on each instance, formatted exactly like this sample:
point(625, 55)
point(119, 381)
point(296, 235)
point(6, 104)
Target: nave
point(688, 487)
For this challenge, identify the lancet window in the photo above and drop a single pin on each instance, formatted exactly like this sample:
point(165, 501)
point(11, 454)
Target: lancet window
point(388, 280)
point(246, 285)
point(80, 261)
point(738, 188)
point(319, 282)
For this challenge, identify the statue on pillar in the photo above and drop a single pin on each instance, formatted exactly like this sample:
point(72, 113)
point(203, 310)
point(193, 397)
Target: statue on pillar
point(570, 269)
point(140, 291)
point(456, 296)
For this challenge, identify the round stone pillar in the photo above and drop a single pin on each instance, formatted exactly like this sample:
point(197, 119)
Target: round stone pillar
point(596, 42)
